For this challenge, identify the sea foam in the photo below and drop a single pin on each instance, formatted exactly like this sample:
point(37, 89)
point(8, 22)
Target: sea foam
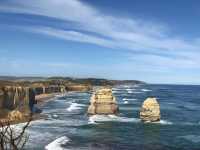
point(126, 102)
point(162, 122)
point(110, 118)
point(129, 99)
point(57, 144)
point(145, 90)
point(75, 106)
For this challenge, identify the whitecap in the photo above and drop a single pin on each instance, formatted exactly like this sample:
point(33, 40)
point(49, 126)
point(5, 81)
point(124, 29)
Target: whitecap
point(54, 116)
point(110, 118)
point(129, 99)
point(61, 95)
point(129, 89)
point(163, 122)
point(145, 90)
point(192, 138)
point(170, 103)
point(126, 86)
point(57, 144)
point(125, 102)
point(75, 106)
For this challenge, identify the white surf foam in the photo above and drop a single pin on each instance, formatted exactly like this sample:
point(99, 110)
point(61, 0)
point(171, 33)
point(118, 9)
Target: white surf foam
point(129, 89)
point(61, 95)
point(145, 90)
point(55, 116)
point(170, 103)
point(129, 99)
point(57, 144)
point(125, 102)
point(163, 122)
point(110, 118)
point(75, 106)
point(126, 86)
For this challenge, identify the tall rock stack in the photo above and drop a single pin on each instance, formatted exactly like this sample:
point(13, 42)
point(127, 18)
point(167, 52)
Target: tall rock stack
point(150, 111)
point(103, 102)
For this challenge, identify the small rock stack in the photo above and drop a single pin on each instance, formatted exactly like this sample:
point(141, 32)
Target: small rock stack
point(150, 111)
point(103, 102)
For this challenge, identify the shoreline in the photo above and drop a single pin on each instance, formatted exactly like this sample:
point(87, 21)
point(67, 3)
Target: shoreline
point(41, 100)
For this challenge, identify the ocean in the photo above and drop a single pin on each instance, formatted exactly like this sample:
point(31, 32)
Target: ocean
point(67, 125)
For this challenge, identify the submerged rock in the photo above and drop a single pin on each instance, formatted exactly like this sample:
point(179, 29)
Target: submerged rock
point(150, 111)
point(103, 102)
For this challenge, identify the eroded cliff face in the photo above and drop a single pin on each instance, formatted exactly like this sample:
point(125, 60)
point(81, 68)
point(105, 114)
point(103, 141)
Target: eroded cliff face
point(16, 102)
point(1, 98)
point(103, 102)
point(150, 110)
point(16, 97)
point(49, 89)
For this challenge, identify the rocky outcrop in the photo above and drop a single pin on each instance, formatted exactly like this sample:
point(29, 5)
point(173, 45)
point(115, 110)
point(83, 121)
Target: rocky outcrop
point(103, 102)
point(150, 111)
point(15, 115)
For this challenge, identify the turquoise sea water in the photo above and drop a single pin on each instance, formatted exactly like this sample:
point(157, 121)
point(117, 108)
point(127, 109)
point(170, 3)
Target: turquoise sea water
point(68, 126)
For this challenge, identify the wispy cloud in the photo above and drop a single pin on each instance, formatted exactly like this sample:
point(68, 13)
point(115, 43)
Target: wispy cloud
point(132, 33)
point(149, 42)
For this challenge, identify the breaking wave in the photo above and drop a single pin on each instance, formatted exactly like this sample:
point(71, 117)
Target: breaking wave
point(57, 144)
point(163, 122)
point(145, 90)
point(129, 99)
point(126, 102)
point(110, 118)
point(75, 106)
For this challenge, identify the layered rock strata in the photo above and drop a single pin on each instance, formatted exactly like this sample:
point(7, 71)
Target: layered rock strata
point(150, 110)
point(103, 102)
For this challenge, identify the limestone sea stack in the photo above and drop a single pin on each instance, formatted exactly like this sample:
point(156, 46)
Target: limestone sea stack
point(103, 102)
point(150, 111)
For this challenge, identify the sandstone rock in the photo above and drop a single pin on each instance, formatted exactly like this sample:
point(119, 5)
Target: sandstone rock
point(103, 102)
point(150, 111)
point(18, 97)
point(1, 99)
point(78, 87)
point(15, 115)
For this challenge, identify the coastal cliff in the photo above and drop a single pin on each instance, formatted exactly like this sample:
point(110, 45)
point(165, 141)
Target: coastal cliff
point(18, 95)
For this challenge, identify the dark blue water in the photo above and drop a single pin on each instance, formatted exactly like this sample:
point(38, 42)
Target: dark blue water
point(179, 128)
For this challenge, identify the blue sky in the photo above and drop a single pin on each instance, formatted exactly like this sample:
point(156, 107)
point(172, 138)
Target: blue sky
point(154, 41)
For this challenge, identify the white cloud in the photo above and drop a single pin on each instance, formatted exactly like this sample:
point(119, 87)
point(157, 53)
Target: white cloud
point(155, 44)
point(71, 36)
point(130, 33)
